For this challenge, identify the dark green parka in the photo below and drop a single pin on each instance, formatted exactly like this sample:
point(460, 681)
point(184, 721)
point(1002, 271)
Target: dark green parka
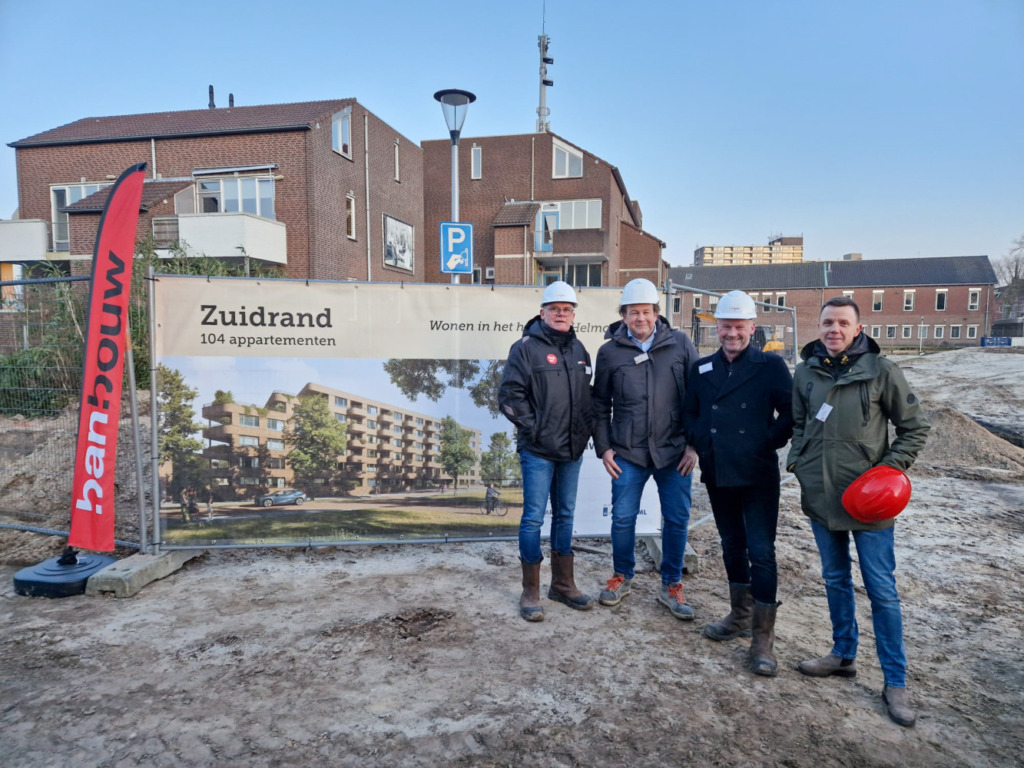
point(827, 455)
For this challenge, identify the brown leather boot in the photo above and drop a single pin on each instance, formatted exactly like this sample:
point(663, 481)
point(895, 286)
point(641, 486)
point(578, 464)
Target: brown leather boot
point(762, 656)
point(737, 623)
point(563, 584)
point(529, 604)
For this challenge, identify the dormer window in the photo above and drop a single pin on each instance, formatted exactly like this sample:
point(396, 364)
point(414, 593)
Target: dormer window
point(341, 132)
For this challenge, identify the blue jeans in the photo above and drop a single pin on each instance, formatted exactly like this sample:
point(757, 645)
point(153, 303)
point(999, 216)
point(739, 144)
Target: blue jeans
point(875, 551)
point(746, 517)
point(674, 493)
point(544, 479)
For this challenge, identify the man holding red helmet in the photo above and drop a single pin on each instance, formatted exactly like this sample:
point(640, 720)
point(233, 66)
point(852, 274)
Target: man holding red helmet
point(844, 396)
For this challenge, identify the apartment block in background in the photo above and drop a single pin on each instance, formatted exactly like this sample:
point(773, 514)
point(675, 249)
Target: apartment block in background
point(389, 449)
point(780, 250)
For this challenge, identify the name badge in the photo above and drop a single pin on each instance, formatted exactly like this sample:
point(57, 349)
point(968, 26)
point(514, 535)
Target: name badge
point(705, 368)
point(823, 412)
point(642, 358)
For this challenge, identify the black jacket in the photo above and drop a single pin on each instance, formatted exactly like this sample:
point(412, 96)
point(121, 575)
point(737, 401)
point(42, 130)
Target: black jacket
point(738, 416)
point(545, 392)
point(638, 398)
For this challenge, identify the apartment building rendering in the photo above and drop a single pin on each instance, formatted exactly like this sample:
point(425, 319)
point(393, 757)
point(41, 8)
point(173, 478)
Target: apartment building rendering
point(389, 448)
point(780, 250)
point(904, 303)
point(322, 190)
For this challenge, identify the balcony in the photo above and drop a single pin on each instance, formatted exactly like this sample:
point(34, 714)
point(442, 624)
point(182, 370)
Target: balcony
point(24, 240)
point(223, 236)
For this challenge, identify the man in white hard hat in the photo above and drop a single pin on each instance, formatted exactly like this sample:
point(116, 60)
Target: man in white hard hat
point(545, 392)
point(640, 380)
point(738, 413)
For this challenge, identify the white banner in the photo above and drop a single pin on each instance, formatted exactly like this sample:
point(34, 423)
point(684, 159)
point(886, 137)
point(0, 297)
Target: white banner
point(255, 337)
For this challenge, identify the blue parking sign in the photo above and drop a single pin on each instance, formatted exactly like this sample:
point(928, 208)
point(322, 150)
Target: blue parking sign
point(456, 248)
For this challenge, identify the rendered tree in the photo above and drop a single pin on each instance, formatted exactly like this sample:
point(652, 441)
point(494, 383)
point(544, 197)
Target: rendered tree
point(456, 454)
point(177, 428)
point(432, 378)
point(1009, 271)
point(498, 462)
point(317, 440)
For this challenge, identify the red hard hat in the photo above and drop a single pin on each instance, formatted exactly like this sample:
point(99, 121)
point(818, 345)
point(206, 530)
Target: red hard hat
point(879, 494)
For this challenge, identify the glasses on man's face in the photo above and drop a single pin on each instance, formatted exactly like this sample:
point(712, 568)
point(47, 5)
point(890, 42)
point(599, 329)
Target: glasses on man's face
point(560, 310)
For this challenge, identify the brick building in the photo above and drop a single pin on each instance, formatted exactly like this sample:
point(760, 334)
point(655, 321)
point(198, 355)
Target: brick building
point(542, 209)
point(904, 303)
point(324, 189)
point(389, 447)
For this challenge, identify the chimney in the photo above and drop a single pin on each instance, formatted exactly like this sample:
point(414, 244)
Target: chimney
point(231, 100)
point(212, 105)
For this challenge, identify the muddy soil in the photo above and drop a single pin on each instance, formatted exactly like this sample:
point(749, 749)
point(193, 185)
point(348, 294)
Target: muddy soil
point(414, 655)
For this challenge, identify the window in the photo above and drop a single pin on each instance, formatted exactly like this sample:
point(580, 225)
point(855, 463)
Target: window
point(419, 422)
point(940, 300)
point(275, 425)
point(371, 438)
point(275, 444)
point(276, 463)
point(922, 331)
point(372, 410)
point(59, 198)
point(940, 331)
point(848, 295)
point(696, 301)
point(419, 432)
point(876, 300)
point(890, 331)
point(908, 301)
point(780, 301)
point(248, 421)
point(248, 481)
point(478, 275)
point(398, 175)
point(476, 160)
point(341, 132)
point(340, 402)
point(954, 331)
point(249, 462)
point(371, 424)
point(341, 417)
point(573, 214)
point(371, 454)
point(245, 194)
point(876, 331)
point(972, 331)
point(249, 440)
point(585, 275)
point(350, 226)
point(677, 305)
point(567, 162)
point(908, 331)
point(396, 442)
point(973, 299)
point(396, 430)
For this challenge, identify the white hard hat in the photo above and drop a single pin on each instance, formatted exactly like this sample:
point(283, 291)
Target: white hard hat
point(639, 291)
point(736, 305)
point(559, 291)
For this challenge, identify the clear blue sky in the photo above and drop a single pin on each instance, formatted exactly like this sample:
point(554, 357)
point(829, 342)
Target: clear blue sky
point(894, 128)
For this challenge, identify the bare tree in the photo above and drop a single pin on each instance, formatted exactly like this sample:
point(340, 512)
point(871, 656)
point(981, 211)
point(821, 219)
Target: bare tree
point(1009, 271)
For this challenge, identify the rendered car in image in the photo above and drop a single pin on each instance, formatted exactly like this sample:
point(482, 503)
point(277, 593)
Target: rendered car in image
point(285, 496)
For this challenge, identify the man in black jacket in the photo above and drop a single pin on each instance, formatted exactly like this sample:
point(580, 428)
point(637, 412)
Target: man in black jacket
point(638, 408)
point(545, 392)
point(738, 413)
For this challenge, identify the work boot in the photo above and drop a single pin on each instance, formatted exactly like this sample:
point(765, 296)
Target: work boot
point(828, 666)
point(672, 596)
point(529, 604)
point(563, 584)
point(897, 701)
point(762, 656)
point(617, 588)
point(737, 623)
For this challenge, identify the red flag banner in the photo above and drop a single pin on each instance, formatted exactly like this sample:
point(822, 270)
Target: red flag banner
point(92, 498)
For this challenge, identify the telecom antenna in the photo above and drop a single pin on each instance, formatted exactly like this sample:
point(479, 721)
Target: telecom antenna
point(543, 126)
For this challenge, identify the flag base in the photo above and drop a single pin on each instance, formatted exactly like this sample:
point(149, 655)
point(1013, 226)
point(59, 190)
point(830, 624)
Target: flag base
point(62, 576)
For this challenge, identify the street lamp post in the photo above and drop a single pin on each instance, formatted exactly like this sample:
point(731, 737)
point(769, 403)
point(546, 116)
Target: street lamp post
point(455, 104)
point(920, 336)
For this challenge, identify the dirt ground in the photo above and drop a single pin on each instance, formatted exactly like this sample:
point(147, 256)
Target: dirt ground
point(414, 655)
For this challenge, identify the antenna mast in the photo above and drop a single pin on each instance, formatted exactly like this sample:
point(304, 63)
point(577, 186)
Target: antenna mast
point(543, 126)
